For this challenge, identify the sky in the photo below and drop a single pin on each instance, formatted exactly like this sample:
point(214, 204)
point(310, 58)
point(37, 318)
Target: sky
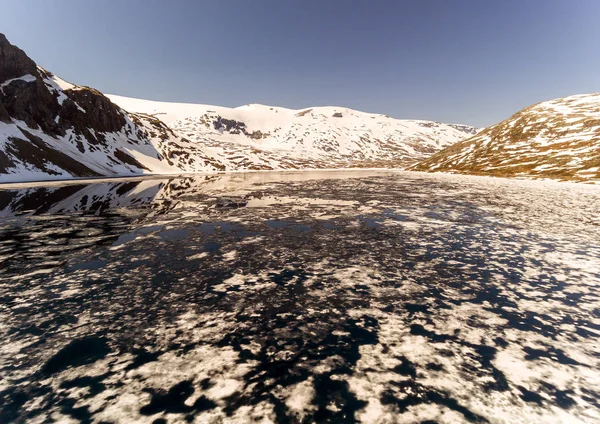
point(458, 61)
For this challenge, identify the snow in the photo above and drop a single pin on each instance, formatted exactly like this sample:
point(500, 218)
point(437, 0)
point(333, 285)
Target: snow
point(165, 111)
point(25, 78)
point(275, 137)
point(61, 83)
point(8, 130)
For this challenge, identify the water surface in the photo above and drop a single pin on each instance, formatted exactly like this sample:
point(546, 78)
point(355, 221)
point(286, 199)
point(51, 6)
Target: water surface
point(300, 297)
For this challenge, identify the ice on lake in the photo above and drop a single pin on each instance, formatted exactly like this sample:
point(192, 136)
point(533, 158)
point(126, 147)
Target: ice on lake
point(374, 297)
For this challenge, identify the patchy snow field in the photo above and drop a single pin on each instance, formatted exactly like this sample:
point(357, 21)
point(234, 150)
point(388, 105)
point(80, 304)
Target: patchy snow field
point(558, 139)
point(375, 297)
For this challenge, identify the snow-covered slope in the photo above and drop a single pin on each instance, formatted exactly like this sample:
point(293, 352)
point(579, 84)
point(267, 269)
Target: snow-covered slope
point(557, 139)
point(51, 129)
point(263, 137)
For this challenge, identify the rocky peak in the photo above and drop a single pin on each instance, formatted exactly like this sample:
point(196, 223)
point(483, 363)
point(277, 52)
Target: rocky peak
point(23, 94)
point(30, 94)
point(14, 63)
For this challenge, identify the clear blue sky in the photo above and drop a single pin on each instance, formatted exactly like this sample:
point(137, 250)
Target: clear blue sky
point(463, 61)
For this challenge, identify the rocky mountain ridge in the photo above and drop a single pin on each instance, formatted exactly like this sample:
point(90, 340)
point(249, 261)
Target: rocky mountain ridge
point(51, 129)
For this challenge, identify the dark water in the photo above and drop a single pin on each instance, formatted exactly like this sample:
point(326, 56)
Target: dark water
point(314, 297)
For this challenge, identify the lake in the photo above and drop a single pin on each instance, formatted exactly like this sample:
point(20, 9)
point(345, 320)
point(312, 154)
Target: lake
point(373, 296)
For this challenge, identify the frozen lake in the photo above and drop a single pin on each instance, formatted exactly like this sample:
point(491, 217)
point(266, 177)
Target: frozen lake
point(375, 297)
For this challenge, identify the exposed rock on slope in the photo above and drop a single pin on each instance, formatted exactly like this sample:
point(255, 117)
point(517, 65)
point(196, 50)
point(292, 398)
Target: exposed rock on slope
point(263, 137)
point(52, 129)
point(557, 139)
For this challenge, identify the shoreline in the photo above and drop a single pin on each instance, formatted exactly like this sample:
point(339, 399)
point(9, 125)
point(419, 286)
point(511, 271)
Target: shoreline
point(17, 185)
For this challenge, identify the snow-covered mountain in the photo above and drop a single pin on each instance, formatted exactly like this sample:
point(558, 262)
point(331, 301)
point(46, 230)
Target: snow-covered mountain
point(263, 137)
point(52, 129)
point(557, 139)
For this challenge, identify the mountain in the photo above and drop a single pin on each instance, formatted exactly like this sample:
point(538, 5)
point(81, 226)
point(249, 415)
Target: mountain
point(52, 129)
point(557, 139)
point(263, 137)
